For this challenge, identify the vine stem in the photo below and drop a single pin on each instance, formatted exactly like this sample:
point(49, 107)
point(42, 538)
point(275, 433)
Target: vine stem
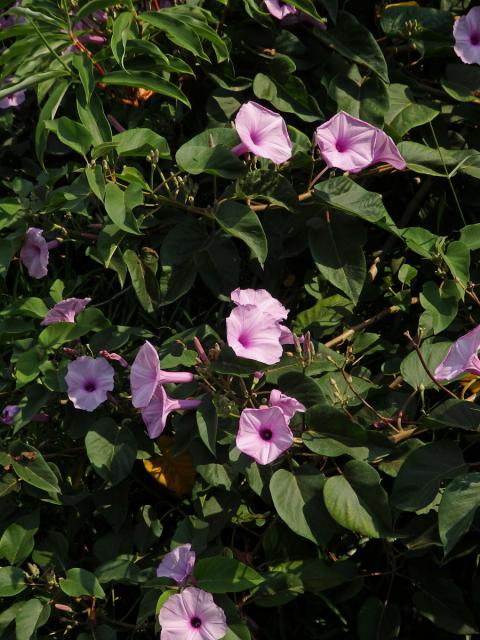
point(366, 323)
point(425, 366)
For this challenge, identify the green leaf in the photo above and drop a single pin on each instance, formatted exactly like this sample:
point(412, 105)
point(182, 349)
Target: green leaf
point(93, 118)
point(84, 66)
point(225, 575)
point(207, 423)
point(462, 81)
point(338, 254)
point(331, 433)
point(457, 259)
point(210, 152)
point(121, 33)
point(47, 113)
point(241, 222)
point(79, 582)
point(433, 351)
point(57, 334)
point(299, 502)
point(420, 476)
point(363, 97)
point(404, 113)
point(441, 303)
point(31, 81)
point(139, 142)
point(355, 42)
point(455, 414)
point(33, 469)
point(145, 80)
point(290, 96)
point(378, 620)
point(444, 605)
point(346, 195)
point(357, 501)
point(31, 615)
point(71, 133)
point(180, 34)
point(17, 541)
point(12, 581)
point(142, 283)
point(458, 506)
point(118, 211)
point(269, 186)
point(111, 449)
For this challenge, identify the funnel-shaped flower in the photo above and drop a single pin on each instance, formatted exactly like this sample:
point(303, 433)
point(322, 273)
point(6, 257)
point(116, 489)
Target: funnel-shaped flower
point(351, 144)
point(160, 406)
point(65, 311)
point(288, 405)
point(15, 99)
point(178, 564)
point(146, 375)
point(254, 334)
point(262, 132)
point(280, 10)
point(192, 615)
point(9, 412)
point(264, 434)
point(466, 31)
point(461, 357)
point(34, 253)
point(261, 299)
point(88, 381)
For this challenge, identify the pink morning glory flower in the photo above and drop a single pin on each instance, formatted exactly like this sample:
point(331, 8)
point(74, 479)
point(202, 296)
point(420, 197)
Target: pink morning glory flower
point(466, 31)
point(146, 375)
point(264, 434)
point(288, 405)
point(351, 144)
point(88, 381)
point(155, 414)
point(15, 99)
point(65, 311)
point(461, 357)
point(178, 564)
point(263, 133)
point(34, 252)
point(9, 412)
point(192, 615)
point(279, 9)
point(254, 334)
point(261, 299)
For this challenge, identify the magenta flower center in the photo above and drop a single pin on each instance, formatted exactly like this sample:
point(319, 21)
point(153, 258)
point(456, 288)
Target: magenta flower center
point(475, 38)
point(244, 340)
point(196, 622)
point(266, 434)
point(255, 137)
point(341, 145)
point(90, 386)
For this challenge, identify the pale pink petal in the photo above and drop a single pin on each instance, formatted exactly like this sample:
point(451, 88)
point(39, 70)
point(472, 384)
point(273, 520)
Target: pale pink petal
point(192, 615)
point(65, 311)
point(279, 9)
point(261, 299)
point(253, 334)
point(466, 31)
point(288, 405)
point(263, 133)
point(88, 381)
point(178, 564)
point(34, 253)
point(461, 357)
point(144, 375)
point(385, 150)
point(263, 434)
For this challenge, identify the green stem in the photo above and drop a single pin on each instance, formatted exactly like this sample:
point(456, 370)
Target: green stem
point(455, 197)
point(52, 51)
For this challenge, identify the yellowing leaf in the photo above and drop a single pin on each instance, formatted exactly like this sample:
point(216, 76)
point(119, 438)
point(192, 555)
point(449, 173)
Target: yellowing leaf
point(176, 473)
